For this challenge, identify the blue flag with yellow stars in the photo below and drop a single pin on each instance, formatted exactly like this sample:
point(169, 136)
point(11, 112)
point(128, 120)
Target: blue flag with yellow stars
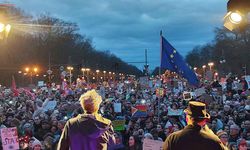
point(173, 61)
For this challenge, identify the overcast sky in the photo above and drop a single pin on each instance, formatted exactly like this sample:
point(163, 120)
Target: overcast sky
point(128, 27)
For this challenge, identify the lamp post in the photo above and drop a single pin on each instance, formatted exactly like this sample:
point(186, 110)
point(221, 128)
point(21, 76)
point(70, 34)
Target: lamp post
point(97, 73)
point(211, 64)
point(4, 30)
point(88, 70)
point(104, 75)
point(83, 70)
point(70, 68)
point(34, 71)
point(204, 70)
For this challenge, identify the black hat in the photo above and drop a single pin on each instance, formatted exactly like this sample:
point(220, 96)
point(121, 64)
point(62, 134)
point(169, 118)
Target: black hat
point(197, 110)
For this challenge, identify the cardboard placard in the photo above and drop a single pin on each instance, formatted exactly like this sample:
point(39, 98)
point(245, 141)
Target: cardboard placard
point(50, 106)
point(187, 96)
point(10, 138)
point(152, 144)
point(117, 107)
point(118, 125)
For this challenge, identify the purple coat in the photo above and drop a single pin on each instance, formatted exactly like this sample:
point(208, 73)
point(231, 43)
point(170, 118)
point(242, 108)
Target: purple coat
point(87, 132)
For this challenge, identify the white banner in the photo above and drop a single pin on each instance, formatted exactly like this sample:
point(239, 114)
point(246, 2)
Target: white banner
point(152, 144)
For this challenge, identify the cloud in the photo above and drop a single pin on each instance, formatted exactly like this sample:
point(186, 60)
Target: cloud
point(128, 27)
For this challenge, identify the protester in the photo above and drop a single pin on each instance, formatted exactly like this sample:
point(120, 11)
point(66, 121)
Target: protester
point(42, 113)
point(88, 131)
point(196, 135)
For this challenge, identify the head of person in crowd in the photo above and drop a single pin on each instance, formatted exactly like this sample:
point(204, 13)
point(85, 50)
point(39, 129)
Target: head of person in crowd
point(232, 146)
point(242, 144)
point(45, 125)
point(247, 125)
point(90, 102)
point(36, 145)
point(223, 136)
point(133, 142)
point(148, 136)
point(61, 124)
point(196, 113)
point(234, 130)
point(226, 129)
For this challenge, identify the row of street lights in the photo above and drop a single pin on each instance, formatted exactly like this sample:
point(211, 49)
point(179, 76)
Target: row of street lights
point(210, 64)
point(86, 72)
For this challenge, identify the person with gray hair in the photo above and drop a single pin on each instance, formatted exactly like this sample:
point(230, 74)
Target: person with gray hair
point(88, 131)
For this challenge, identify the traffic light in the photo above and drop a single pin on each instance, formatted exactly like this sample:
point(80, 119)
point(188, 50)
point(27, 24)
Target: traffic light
point(236, 18)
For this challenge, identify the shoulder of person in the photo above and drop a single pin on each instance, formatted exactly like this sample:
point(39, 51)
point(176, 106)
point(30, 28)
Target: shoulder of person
point(103, 120)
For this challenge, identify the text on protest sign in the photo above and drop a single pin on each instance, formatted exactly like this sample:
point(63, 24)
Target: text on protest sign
point(9, 138)
point(152, 144)
point(118, 125)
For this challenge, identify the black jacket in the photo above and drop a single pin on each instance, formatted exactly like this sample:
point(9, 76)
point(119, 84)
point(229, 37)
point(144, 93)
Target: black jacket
point(193, 137)
point(87, 132)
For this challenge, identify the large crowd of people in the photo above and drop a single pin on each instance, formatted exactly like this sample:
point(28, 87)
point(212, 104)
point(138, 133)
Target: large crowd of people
point(40, 114)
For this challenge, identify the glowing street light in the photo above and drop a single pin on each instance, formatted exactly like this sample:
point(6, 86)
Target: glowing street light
point(211, 64)
point(27, 69)
point(6, 29)
point(104, 74)
point(1, 27)
point(83, 70)
point(32, 71)
point(70, 68)
point(35, 69)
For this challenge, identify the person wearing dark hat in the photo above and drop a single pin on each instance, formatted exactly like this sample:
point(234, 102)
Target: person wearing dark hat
point(196, 135)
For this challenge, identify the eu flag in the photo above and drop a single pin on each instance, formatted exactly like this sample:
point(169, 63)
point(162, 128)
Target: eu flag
point(173, 61)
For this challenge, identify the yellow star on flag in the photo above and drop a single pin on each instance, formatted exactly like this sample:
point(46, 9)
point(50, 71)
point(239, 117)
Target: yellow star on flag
point(174, 51)
point(172, 56)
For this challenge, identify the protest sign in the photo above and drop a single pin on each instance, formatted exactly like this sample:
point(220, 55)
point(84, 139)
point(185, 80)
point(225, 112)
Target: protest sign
point(50, 105)
point(118, 125)
point(117, 107)
point(149, 144)
point(40, 83)
point(187, 95)
point(177, 112)
point(200, 91)
point(159, 92)
point(9, 138)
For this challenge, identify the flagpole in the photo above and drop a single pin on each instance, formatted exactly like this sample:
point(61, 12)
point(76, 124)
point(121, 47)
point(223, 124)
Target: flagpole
point(160, 75)
point(161, 52)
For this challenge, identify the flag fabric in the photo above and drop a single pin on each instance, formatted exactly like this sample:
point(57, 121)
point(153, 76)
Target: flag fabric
point(139, 111)
point(173, 61)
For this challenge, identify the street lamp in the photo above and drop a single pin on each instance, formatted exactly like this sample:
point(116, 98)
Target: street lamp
point(70, 68)
point(211, 64)
point(204, 70)
point(104, 74)
point(31, 71)
point(97, 72)
point(5, 28)
point(83, 70)
point(88, 70)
